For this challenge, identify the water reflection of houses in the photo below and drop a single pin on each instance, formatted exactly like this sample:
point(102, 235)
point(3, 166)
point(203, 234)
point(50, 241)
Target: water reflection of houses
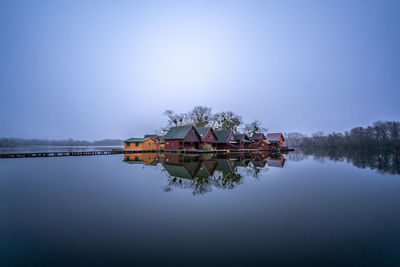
point(142, 158)
point(201, 173)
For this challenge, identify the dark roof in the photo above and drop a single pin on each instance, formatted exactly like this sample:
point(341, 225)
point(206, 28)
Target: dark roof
point(275, 137)
point(241, 136)
point(178, 132)
point(222, 136)
point(203, 131)
point(256, 136)
point(150, 136)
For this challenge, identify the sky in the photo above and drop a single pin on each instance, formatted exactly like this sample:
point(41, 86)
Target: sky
point(109, 69)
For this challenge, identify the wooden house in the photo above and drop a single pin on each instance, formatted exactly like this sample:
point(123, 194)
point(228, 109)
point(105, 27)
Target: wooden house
point(258, 141)
point(182, 138)
point(157, 139)
point(243, 141)
point(140, 144)
point(226, 139)
point(276, 140)
point(263, 145)
point(208, 138)
point(257, 137)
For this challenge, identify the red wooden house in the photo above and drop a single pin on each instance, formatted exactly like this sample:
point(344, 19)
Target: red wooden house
point(276, 140)
point(226, 140)
point(208, 137)
point(243, 141)
point(258, 141)
point(182, 138)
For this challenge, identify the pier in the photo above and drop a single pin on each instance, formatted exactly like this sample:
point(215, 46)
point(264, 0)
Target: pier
point(57, 154)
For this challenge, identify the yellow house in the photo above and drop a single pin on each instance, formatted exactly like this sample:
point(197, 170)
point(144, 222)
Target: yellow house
point(140, 144)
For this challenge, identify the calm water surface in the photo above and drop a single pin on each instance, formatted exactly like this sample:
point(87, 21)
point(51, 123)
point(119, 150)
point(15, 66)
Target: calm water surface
point(150, 209)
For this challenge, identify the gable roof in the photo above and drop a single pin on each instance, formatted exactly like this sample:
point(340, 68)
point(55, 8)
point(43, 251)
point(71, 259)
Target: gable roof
point(138, 140)
point(256, 136)
point(275, 137)
point(223, 136)
point(178, 132)
point(241, 137)
point(150, 136)
point(203, 131)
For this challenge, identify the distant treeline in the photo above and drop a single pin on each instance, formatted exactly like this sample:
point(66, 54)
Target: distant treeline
point(12, 142)
point(381, 134)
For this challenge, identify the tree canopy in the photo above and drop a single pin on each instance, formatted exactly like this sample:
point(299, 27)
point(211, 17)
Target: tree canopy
point(203, 116)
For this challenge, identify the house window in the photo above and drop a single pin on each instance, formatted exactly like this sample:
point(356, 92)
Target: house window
point(128, 144)
point(172, 143)
point(128, 158)
point(137, 144)
point(149, 158)
point(149, 144)
point(136, 158)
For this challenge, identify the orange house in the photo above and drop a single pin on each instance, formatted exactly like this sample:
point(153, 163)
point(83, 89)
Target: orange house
point(140, 144)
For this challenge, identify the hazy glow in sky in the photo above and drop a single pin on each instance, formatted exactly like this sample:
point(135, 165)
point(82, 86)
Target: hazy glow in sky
point(102, 69)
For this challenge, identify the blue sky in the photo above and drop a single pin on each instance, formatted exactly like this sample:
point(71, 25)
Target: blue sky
point(108, 69)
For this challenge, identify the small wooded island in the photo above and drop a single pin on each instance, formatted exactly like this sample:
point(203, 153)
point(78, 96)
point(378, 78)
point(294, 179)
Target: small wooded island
point(190, 138)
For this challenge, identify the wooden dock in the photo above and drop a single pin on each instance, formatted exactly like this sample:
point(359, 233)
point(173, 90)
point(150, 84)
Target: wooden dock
point(57, 154)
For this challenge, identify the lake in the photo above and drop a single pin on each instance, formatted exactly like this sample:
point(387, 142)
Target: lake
point(169, 210)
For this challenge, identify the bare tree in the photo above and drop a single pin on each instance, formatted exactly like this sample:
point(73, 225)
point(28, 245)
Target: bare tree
point(254, 127)
point(200, 116)
point(174, 119)
point(227, 121)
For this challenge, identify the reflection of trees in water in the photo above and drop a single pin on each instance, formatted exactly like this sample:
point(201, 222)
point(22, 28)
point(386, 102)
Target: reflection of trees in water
point(385, 161)
point(202, 173)
point(254, 171)
point(227, 174)
point(227, 180)
point(201, 185)
point(198, 185)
